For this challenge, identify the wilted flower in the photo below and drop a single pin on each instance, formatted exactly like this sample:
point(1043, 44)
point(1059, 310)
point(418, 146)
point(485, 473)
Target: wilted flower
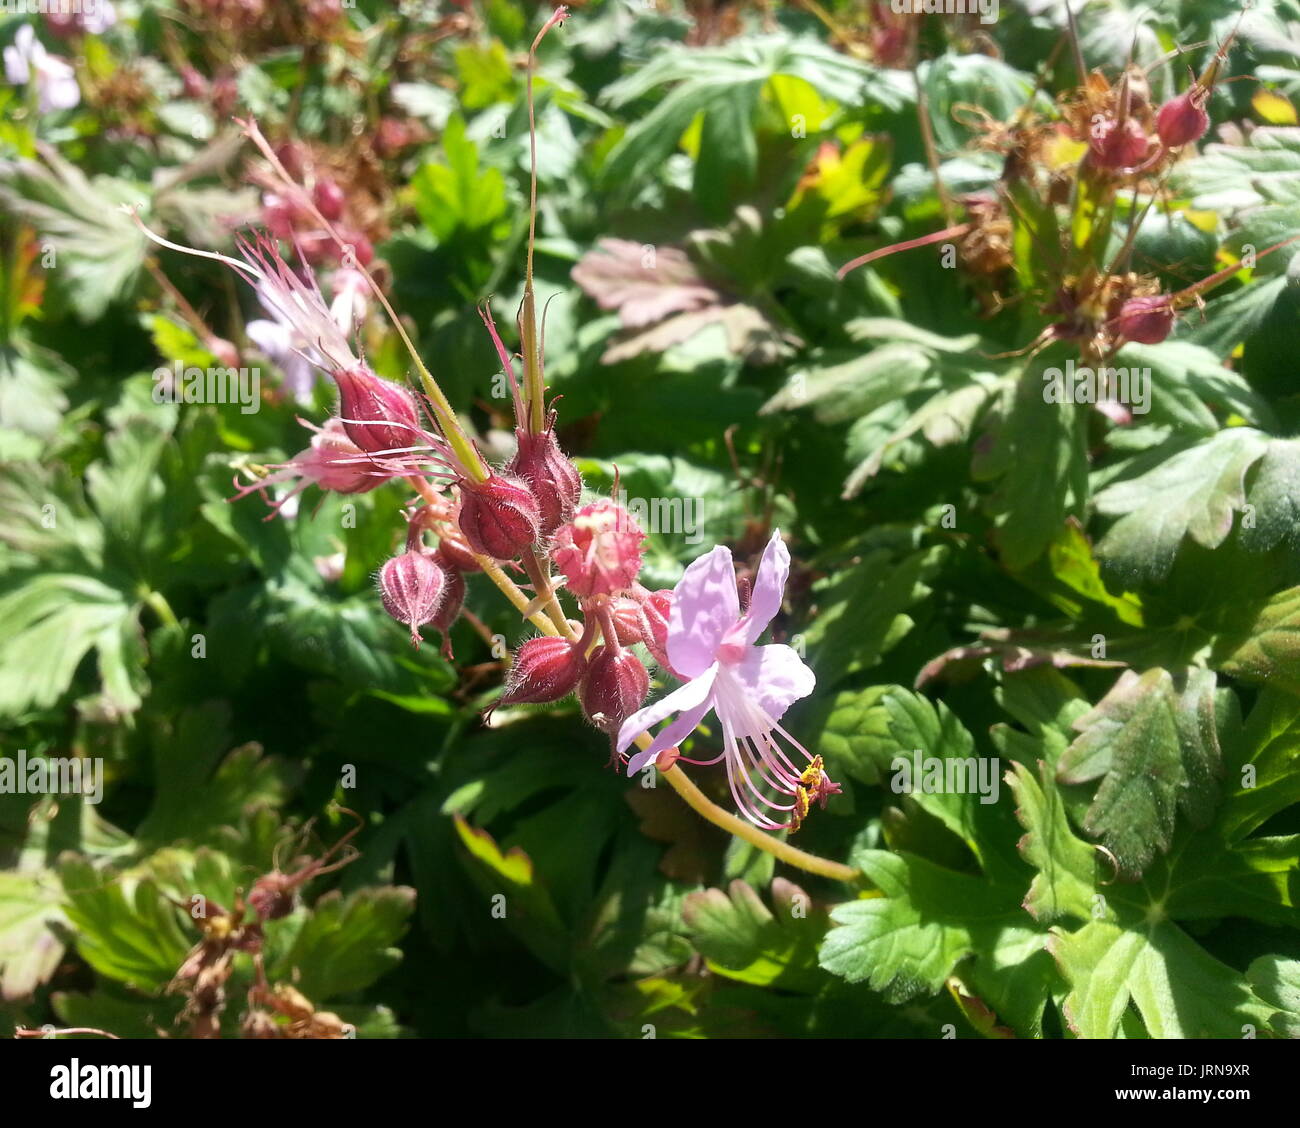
point(749, 687)
point(332, 461)
point(599, 552)
point(26, 60)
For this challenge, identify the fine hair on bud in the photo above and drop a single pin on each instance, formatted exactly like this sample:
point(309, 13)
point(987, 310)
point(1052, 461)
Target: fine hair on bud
point(412, 587)
point(499, 517)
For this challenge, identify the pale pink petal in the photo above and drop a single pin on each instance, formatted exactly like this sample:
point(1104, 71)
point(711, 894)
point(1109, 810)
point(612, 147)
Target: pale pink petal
point(16, 69)
point(684, 697)
point(671, 735)
point(773, 677)
point(705, 607)
point(769, 586)
point(56, 83)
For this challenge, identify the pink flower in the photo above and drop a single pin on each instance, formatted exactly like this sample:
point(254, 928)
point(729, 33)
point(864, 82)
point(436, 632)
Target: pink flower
point(749, 687)
point(26, 60)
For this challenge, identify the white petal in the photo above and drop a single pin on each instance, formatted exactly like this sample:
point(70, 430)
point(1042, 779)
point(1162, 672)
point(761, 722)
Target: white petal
point(684, 697)
point(705, 607)
point(671, 735)
point(774, 677)
point(769, 587)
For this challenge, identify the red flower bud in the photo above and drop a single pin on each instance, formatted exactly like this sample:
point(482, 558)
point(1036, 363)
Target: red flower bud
point(656, 607)
point(272, 896)
point(328, 198)
point(225, 351)
point(544, 669)
point(453, 600)
point(1183, 120)
point(377, 414)
point(1117, 145)
point(499, 516)
point(411, 586)
point(455, 549)
point(599, 552)
point(1145, 321)
point(615, 687)
point(629, 623)
point(553, 478)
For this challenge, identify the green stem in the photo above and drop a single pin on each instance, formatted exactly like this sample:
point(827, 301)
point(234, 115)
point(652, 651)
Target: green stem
point(157, 603)
point(791, 855)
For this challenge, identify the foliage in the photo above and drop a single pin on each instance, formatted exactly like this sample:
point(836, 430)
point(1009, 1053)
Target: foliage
point(1088, 611)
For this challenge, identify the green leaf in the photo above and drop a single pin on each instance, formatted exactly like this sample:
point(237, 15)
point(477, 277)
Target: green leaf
point(1195, 493)
point(1066, 879)
point(1179, 990)
point(49, 623)
point(742, 939)
point(863, 611)
point(925, 921)
point(1266, 648)
point(457, 194)
point(1154, 739)
point(99, 248)
point(346, 943)
point(124, 928)
point(528, 908)
point(1038, 453)
point(1263, 765)
point(1276, 980)
point(30, 945)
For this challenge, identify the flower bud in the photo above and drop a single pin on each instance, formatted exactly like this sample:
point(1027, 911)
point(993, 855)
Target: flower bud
point(411, 586)
point(453, 601)
point(615, 687)
point(656, 607)
point(1183, 120)
point(455, 549)
point(1145, 321)
point(544, 669)
point(629, 622)
point(1118, 144)
point(599, 552)
point(553, 478)
point(499, 516)
point(377, 414)
point(225, 351)
point(328, 198)
point(272, 896)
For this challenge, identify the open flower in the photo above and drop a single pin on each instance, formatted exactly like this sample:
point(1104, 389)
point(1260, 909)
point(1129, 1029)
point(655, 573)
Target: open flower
point(711, 642)
point(28, 61)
